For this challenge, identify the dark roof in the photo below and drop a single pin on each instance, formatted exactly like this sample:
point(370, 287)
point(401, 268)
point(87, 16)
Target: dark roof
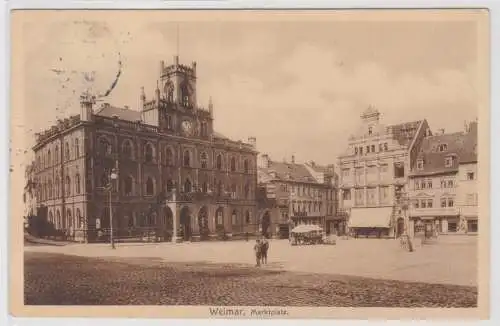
point(122, 113)
point(404, 133)
point(461, 145)
point(289, 172)
point(328, 170)
point(219, 135)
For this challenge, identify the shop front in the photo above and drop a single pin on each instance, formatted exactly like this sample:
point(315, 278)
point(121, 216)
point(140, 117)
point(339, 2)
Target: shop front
point(371, 222)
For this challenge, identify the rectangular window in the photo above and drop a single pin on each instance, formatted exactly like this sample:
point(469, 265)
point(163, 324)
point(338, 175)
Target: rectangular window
point(423, 204)
point(429, 184)
point(470, 199)
point(450, 202)
point(443, 202)
point(359, 196)
point(420, 164)
point(345, 173)
point(416, 204)
point(452, 226)
point(417, 184)
point(346, 194)
point(355, 150)
point(450, 184)
point(470, 175)
point(384, 194)
point(429, 203)
point(472, 226)
point(371, 196)
point(448, 162)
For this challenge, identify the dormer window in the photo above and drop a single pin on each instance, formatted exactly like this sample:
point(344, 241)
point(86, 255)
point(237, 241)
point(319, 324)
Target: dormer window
point(420, 164)
point(442, 148)
point(448, 161)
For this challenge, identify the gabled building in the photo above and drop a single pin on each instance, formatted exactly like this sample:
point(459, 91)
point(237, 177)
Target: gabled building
point(374, 170)
point(295, 193)
point(443, 188)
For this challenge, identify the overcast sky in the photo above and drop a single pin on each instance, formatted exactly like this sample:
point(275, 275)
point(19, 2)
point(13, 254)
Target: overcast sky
point(298, 87)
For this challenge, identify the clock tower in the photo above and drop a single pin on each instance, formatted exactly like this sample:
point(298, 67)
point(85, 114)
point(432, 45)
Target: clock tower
point(174, 108)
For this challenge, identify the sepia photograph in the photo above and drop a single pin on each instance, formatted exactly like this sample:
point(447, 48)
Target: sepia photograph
point(249, 164)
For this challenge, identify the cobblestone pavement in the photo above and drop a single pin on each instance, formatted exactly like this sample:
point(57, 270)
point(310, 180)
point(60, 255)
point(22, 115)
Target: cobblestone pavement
point(453, 260)
point(53, 279)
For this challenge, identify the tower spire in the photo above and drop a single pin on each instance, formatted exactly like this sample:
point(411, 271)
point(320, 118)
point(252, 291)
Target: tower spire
point(177, 48)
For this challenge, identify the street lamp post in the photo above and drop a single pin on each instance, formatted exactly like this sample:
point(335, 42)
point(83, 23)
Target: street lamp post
point(113, 176)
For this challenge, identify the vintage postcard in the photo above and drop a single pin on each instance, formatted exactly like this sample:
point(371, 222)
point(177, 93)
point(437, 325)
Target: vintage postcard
point(250, 164)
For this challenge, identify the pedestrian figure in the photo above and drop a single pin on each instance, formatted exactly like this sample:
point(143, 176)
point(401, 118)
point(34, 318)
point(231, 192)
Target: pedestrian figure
point(258, 252)
point(264, 249)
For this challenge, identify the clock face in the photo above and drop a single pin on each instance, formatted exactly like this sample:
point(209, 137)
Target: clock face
point(187, 127)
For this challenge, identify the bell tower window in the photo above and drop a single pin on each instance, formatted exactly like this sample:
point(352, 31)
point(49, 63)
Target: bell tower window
point(169, 91)
point(185, 94)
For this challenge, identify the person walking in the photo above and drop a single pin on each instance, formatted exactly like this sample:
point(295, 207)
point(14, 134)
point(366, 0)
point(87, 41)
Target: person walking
point(265, 248)
point(258, 252)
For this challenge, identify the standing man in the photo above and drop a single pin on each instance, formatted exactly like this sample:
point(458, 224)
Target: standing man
point(258, 252)
point(265, 248)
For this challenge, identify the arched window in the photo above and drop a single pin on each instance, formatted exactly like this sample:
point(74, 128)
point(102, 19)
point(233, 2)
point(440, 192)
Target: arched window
point(104, 179)
point(219, 188)
point(69, 219)
point(66, 151)
point(104, 146)
point(219, 162)
point(204, 160)
point(247, 191)
point(68, 186)
point(51, 217)
point(149, 153)
point(234, 191)
point(169, 91)
point(77, 183)
point(127, 149)
point(149, 187)
point(128, 188)
point(187, 186)
point(49, 158)
point(169, 156)
point(170, 185)
point(58, 223)
point(245, 166)
point(204, 129)
point(185, 93)
point(50, 190)
point(56, 155)
point(247, 217)
point(79, 219)
point(56, 187)
point(233, 164)
point(77, 148)
point(204, 187)
point(187, 158)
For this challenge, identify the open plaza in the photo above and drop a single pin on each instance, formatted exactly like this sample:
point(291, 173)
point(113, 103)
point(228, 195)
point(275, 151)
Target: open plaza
point(365, 271)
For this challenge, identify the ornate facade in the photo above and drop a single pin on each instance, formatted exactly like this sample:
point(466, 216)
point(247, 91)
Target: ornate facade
point(175, 173)
point(374, 173)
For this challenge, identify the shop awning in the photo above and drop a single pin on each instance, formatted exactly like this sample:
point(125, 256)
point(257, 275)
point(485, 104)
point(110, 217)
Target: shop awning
point(374, 217)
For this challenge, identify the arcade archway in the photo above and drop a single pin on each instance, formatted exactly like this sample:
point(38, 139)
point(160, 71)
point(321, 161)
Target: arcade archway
point(203, 222)
point(185, 223)
point(265, 224)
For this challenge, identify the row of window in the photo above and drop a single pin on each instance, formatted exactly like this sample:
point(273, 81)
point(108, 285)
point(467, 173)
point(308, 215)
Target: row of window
point(428, 203)
point(47, 158)
point(68, 221)
point(428, 184)
point(168, 156)
point(218, 187)
point(312, 192)
point(47, 190)
point(371, 149)
point(449, 161)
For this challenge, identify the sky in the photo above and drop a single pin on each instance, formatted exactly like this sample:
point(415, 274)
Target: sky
point(298, 86)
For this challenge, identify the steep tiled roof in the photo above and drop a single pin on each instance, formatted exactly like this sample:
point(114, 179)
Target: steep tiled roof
point(121, 113)
point(288, 172)
point(404, 133)
point(461, 145)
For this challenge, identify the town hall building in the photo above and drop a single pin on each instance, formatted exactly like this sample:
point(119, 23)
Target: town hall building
point(176, 176)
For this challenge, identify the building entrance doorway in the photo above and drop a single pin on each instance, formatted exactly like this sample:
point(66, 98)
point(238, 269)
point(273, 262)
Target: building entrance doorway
point(185, 223)
point(400, 227)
